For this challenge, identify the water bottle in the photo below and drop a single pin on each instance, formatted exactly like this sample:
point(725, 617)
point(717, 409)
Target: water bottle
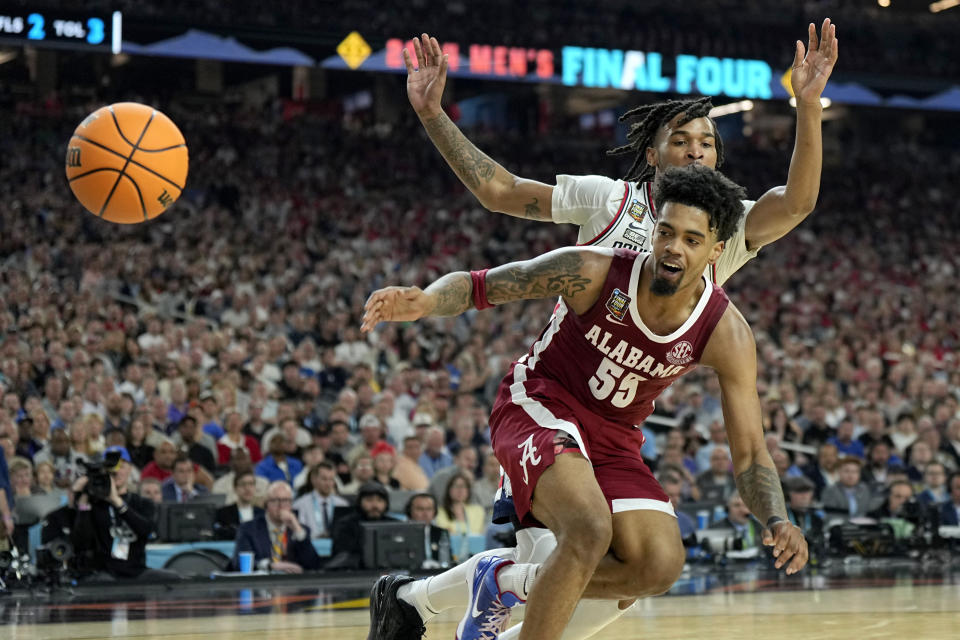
point(719, 513)
point(703, 519)
point(444, 551)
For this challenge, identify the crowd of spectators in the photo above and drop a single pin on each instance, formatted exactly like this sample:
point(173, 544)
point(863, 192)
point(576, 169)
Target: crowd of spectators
point(217, 348)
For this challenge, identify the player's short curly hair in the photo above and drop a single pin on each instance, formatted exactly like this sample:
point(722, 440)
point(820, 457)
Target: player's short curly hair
point(708, 190)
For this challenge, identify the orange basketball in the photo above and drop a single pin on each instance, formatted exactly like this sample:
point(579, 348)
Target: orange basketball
point(127, 162)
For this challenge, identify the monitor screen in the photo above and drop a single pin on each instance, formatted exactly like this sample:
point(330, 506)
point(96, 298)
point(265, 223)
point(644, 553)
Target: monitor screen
point(186, 522)
point(394, 544)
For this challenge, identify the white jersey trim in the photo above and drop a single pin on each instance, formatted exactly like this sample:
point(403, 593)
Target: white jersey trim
point(642, 504)
point(537, 412)
point(689, 322)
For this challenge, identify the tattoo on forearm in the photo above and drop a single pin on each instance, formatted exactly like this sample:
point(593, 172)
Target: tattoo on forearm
point(469, 163)
point(553, 275)
point(760, 489)
point(532, 210)
point(454, 293)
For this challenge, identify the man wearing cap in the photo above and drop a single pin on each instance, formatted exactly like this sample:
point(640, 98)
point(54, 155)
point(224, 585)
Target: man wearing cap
point(800, 511)
point(109, 536)
point(347, 534)
point(125, 475)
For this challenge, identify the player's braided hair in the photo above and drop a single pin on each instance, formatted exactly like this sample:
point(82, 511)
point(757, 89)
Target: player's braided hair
point(708, 190)
point(648, 119)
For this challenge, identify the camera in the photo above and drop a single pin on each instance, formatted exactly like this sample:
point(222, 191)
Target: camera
point(98, 476)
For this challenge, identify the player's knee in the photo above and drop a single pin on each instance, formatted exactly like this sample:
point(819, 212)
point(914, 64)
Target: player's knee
point(587, 538)
point(665, 565)
point(654, 569)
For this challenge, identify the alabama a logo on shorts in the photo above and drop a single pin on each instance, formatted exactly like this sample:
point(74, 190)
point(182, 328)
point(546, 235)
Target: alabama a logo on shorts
point(529, 454)
point(618, 303)
point(637, 210)
point(682, 353)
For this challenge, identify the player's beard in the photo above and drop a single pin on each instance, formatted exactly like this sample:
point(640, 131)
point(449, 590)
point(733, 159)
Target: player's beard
point(662, 287)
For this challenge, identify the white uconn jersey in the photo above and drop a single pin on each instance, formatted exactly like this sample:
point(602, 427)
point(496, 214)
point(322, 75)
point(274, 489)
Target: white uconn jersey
point(614, 213)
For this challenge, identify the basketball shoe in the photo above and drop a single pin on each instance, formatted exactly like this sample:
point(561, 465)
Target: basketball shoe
point(390, 617)
point(489, 610)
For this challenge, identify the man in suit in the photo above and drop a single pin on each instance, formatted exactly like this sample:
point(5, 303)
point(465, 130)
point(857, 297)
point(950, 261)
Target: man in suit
point(180, 487)
point(950, 510)
point(230, 517)
point(278, 541)
point(849, 496)
point(315, 509)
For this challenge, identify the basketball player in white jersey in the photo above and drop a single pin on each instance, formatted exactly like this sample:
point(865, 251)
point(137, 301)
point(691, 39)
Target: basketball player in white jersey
point(628, 324)
point(611, 213)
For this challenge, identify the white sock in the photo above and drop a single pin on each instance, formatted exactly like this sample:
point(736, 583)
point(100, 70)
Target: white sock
point(518, 579)
point(588, 618)
point(446, 590)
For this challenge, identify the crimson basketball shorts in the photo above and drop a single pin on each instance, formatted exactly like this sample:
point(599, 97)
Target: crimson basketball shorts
point(530, 431)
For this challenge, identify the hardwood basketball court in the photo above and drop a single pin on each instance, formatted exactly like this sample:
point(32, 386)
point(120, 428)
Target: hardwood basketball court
point(884, 604)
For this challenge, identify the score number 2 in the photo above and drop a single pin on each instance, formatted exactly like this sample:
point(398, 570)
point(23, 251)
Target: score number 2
point(36, 22)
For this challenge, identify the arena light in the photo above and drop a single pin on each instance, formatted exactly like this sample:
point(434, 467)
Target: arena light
point(733, 107)
point(943, 5)
point(824, 102)
point(883, 3)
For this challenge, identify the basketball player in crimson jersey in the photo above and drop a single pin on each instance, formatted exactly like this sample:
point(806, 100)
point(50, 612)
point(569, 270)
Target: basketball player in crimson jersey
point(628, 324)
point(611, 213)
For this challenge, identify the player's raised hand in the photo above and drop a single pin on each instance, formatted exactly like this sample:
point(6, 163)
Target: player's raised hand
point(812, 66)
point(425, 83)
point(395, 304)
point(789, 546)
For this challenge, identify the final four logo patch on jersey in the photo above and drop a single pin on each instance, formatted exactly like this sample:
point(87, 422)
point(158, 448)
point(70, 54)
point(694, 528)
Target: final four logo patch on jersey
point(682, 353)
point(618, 303)
point(637, 210)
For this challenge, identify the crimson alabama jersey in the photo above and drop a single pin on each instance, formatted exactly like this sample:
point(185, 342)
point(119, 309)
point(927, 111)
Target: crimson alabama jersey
point(607, 361)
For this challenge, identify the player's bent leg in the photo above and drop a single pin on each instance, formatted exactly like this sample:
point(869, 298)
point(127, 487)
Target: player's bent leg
point(447, 590)
point(568, 500)
point(590, 616)
point(647, 557)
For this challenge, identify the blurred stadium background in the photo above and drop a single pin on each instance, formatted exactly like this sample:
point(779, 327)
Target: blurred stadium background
point(312, 183)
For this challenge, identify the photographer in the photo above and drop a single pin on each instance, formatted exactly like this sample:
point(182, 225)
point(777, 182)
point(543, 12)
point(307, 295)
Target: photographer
point(108, 531)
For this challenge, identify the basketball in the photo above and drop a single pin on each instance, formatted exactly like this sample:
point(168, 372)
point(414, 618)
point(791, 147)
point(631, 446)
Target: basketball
point(127, 163)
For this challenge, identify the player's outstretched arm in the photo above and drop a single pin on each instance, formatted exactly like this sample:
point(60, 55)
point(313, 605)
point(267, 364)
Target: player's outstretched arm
point(496, 188)
point(782, 208)
point(575, 273)
point(732, 352)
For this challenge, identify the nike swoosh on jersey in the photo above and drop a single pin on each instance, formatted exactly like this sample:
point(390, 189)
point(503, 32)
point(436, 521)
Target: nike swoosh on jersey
point(612, 319)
